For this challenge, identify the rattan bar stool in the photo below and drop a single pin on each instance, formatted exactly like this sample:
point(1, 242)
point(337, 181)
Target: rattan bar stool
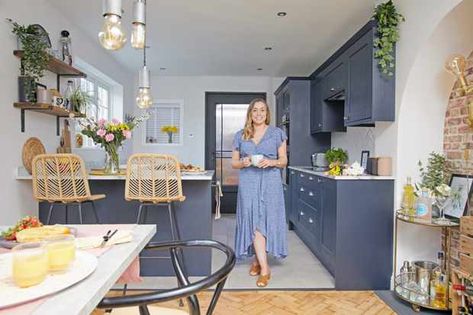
point(62, 179)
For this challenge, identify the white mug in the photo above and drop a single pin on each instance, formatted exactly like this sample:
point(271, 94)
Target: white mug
point(255, 159)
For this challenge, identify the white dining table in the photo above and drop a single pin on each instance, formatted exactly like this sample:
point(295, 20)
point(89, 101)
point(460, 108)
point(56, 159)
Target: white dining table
point(83, 297)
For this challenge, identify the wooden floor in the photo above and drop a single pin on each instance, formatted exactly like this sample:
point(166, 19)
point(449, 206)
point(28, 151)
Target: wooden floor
point(266, 302)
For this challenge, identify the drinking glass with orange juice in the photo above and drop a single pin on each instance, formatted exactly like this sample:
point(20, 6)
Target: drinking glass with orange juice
point(30, 264)
point(61, 251)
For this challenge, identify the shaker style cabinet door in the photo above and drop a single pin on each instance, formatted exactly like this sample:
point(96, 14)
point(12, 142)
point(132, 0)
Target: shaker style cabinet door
point(359, 99)
point(316, 104)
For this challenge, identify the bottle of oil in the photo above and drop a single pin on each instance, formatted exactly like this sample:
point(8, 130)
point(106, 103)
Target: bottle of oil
point(408, 198)
point(440, 297)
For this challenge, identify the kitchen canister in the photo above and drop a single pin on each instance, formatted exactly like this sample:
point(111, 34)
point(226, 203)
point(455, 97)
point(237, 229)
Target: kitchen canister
point(385, 166)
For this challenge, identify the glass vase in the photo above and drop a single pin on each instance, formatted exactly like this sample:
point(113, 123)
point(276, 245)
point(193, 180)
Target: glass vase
point(112, 162)
point(169, 137)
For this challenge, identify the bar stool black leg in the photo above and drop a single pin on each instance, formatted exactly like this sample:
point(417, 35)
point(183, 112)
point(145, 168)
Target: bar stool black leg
point(51, 207)
point(176, 237)
point(95, 213)
point(67, 213)
point(80, 212)
point(138, 218)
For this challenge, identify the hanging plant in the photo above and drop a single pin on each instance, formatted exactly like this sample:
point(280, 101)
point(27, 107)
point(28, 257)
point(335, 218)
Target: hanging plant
point(388, 20)
point(35, 56)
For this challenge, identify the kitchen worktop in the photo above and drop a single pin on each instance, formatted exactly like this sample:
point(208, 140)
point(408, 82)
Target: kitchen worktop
point(22, 174)
point(309, 170)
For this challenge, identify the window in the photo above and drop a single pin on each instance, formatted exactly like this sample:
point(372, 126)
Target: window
point(100, 106)
point(164, 113)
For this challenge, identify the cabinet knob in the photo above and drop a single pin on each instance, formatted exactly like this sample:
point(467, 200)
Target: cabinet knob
point(311, 178)
point(311, 194)
point(319, 180)
point(320, 125)
point(292, 173)
point(302, 189)
point(311, 221)
point(302, 175)
point(301, 213)
point(346, 117)
point(332, 89)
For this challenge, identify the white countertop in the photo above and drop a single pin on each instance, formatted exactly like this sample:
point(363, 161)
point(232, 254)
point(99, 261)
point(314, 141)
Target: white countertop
point(22, 174)
point(306, 169)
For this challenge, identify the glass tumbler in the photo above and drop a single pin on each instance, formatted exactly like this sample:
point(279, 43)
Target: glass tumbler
point(61, 251)
point(29, 264)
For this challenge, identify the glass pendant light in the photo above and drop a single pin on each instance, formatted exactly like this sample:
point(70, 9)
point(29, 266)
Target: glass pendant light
point(138, 32)
point(144, 99)
point(111, 36)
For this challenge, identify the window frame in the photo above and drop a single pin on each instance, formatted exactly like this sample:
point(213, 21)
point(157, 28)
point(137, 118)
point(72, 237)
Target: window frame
point(167, 103)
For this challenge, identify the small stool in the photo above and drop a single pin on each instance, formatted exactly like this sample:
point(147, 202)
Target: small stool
point(62, 179)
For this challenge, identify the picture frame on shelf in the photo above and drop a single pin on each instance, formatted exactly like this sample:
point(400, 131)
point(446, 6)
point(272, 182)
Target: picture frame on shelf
point(365, 154)
point(457, 204)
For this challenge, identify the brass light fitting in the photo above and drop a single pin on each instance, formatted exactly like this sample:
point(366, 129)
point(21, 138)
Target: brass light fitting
point(456, 65)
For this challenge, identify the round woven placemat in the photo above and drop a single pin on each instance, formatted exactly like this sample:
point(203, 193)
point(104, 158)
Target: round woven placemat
point(31, 148)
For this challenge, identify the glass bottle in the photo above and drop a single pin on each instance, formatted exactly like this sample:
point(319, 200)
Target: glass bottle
point(67, 94)
point(408, 198)
point(424, 206)
point(440, 291)
point(65, 44)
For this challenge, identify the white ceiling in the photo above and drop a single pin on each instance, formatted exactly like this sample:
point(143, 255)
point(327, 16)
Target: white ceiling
point(227, 37)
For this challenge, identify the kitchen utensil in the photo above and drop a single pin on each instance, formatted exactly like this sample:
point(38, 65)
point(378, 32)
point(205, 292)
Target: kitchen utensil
point(424, 271)
point(255, 159)
point(31, 148)
point(319, 162)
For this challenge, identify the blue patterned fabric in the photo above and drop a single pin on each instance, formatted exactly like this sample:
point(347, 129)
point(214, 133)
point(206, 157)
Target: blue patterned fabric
point(260, 202)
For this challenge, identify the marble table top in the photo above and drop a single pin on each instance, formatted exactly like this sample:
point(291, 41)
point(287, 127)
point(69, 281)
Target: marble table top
point(82, 298)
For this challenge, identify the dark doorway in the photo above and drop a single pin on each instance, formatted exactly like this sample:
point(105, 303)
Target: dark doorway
point(225, 114)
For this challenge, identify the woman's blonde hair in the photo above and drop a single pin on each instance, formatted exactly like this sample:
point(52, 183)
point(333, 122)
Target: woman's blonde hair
point(249, 130)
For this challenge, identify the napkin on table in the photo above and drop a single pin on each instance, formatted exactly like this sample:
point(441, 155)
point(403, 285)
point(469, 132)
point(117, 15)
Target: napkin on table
point(88, 242)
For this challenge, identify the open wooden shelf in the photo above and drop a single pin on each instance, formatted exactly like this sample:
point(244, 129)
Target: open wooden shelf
point(47, 109)
point(57, 66)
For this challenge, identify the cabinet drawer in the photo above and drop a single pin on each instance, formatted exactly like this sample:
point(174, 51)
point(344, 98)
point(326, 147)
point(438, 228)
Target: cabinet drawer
point(309, 218)
point(335, 80)
point(310, 194)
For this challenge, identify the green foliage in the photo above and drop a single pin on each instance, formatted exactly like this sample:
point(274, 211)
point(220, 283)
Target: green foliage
point(80, 100)
point(434, 174)
point(388, 20)
point(35, 56)
point(336, 155)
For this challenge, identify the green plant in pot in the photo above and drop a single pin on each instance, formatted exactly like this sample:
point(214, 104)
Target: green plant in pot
point(336, 157)
point(80, 100)
point(33, 62)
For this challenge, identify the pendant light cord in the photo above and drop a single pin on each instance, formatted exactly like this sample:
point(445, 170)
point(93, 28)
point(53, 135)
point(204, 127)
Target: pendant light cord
point(146, 35)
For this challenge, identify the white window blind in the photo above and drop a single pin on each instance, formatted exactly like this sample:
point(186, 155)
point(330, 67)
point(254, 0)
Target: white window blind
point(163, 115)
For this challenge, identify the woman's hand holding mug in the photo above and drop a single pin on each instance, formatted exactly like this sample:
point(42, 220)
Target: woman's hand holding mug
point(246, 162)
point(264, 163)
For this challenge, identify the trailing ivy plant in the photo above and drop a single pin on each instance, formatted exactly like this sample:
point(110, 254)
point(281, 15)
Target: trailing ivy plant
point(388, 20)
point(35, 56)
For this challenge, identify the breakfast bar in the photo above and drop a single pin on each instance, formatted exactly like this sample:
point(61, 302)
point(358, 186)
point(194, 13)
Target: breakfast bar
point(194, 217)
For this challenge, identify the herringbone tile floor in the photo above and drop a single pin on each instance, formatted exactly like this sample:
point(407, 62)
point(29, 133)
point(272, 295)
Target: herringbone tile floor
point(291, 303)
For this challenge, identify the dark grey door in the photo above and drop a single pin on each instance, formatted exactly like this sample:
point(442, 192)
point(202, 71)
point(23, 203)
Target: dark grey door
point(225, 115)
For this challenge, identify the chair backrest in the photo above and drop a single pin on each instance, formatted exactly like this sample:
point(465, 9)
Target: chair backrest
point(153, 178)
point(186, 289)
point(60, 178)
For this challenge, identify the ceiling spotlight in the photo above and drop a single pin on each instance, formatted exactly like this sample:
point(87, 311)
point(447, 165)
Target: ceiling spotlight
point(282, 13)
point(268, 48)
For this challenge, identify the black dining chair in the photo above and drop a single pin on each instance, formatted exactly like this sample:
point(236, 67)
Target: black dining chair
point(141, 302)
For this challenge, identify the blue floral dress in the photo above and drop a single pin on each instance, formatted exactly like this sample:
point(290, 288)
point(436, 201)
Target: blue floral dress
point(260, 202)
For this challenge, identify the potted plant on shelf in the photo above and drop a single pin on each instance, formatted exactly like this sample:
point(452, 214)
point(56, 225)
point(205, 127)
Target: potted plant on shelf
point(336, 157)
point(110, 136)
point(34, 60)
point(170, 130)
point(80, 100)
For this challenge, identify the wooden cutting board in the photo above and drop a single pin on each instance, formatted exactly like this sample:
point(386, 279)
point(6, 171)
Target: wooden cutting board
point(32, 147)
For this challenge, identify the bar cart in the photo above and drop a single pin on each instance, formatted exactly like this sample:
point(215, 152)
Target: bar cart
point(414, 296)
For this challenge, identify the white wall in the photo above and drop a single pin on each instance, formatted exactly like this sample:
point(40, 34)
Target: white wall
point(355, 140)
point(192, 90)
point(423, 104)
point(16, 195)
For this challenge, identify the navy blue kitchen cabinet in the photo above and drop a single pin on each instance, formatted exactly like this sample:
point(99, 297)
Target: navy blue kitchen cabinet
point(293, 98)
point(349, 89)
point(348, 225)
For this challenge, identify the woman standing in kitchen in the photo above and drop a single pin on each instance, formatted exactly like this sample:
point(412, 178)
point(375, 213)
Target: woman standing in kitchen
point(259, 152)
